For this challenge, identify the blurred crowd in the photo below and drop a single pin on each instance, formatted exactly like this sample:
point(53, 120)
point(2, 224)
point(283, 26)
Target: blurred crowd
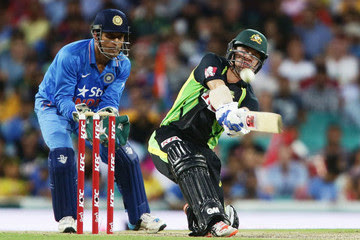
point(311, 78)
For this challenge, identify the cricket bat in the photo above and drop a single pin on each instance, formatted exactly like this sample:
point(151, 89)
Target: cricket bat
point(264, 122)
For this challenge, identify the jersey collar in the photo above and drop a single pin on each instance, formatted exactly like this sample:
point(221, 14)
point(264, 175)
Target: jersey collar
point(92, 59)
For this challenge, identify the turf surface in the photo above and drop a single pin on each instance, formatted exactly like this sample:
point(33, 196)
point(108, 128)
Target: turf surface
point(316, 234)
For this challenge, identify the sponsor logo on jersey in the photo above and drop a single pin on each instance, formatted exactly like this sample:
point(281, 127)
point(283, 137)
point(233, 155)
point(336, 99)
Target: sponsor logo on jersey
point(210, 71)
point(169, 140)
point(85, 75)
point(82, 91)
point(92, 98)
point(256, 38)
point(89, 102)
point(94, 92)
point(109, 78)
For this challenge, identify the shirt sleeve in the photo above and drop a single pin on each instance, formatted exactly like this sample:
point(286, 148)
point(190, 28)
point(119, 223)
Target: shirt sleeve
point(65, 83)
point(113, 92)
point(209, 68)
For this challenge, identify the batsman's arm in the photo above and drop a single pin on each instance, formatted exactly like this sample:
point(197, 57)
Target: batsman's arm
point(225, 95)
point(244, 120)
point(226, 109)
point(215, 83)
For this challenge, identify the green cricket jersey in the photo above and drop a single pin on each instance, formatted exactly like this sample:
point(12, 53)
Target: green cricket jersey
point(192, 112)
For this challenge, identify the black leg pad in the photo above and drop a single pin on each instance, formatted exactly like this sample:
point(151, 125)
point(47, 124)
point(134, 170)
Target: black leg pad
point(191, 172)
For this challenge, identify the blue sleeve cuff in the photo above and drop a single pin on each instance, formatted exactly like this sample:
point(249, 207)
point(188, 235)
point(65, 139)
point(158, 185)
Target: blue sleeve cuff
point(70, 113)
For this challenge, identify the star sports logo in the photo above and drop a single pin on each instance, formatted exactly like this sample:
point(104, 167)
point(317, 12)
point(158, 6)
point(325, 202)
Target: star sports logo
point(210, 71)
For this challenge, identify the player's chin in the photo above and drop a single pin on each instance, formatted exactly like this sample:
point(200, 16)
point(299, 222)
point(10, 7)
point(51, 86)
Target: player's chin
point(113, 53)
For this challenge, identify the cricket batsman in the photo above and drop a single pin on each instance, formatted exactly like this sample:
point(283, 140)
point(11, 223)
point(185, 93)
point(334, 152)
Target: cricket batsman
point(214, 99)
point(90, 75)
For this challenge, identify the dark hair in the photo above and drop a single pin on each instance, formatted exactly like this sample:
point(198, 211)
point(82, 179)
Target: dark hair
point(333, 164)
point(17, 34)
point(320, 68)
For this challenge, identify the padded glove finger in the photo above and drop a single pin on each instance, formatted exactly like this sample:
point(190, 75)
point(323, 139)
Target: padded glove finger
point(81, 108)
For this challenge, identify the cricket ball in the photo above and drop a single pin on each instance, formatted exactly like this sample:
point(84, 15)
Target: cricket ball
point(247, 75)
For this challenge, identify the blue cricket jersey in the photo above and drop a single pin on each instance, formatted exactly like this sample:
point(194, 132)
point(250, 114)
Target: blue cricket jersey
point(74, 78)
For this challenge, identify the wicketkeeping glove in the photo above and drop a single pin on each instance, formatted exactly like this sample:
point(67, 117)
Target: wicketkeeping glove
point(122, 130)
point(109, 110)
point(232, 119)
point(80, 109)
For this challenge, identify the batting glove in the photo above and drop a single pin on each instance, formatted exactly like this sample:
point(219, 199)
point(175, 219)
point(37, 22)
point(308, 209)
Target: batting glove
point(232, 119)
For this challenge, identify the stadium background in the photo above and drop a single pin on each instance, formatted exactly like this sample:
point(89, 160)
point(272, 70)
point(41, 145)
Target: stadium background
point(311, 78)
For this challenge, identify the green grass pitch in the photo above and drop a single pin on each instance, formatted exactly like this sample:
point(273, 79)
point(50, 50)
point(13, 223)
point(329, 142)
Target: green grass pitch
point(316, 234)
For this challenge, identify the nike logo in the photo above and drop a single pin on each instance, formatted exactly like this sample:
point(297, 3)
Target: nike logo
point(62, 159)
point(85, 75)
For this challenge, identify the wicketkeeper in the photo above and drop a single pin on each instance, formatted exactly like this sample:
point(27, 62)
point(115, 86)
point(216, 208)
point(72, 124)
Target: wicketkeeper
point(214, 99)
point(90, 75)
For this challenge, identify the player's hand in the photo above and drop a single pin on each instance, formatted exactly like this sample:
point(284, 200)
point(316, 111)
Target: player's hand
point(122, 130)
point(120, 121)
point(80, 109)
point(232, 119)
point(110, 110)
